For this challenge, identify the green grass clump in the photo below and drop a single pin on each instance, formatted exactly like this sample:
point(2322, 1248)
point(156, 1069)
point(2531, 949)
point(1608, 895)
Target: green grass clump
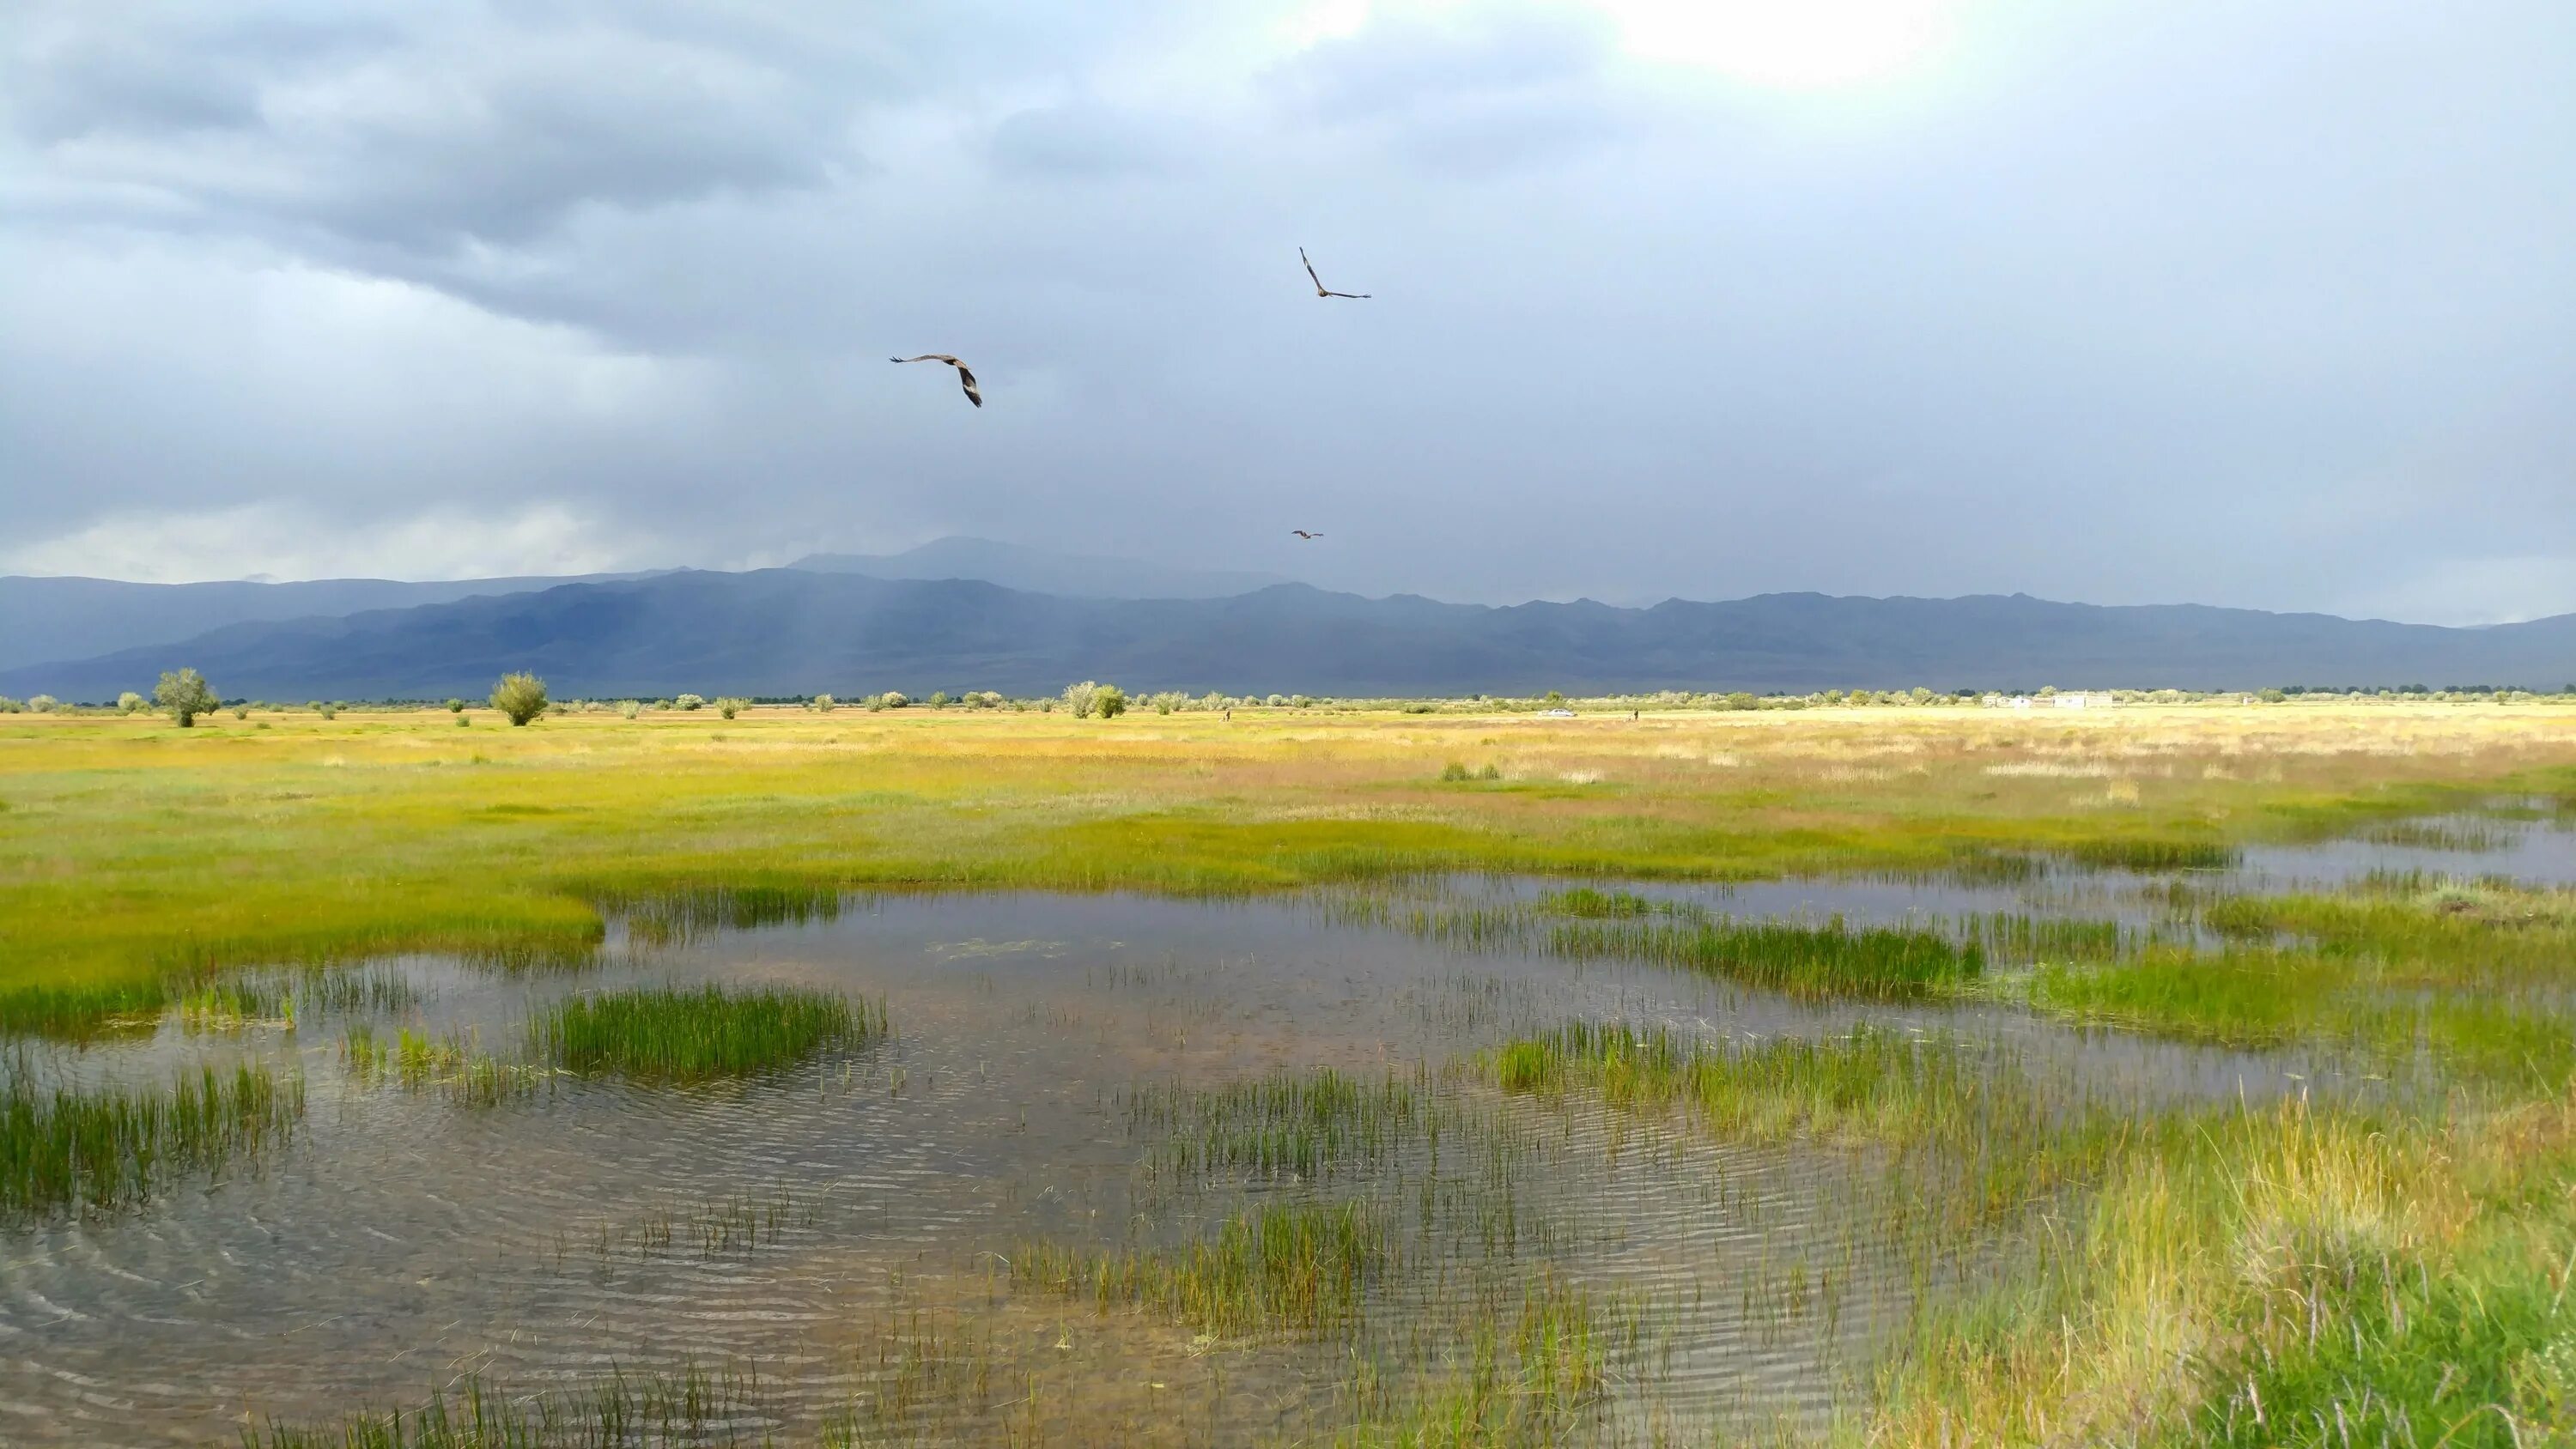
point(2153, 855)
point(1873, 1085)
point(105, 1148)
point(1881, 963)
point(1586, 903)
point(78, 1012)
point(1298, 1268)
point(684, 1036)
point(450, 1065)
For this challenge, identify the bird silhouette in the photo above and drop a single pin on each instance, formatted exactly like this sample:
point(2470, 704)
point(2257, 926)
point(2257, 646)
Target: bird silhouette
point(1301, 533)
point(965, 377)
point(1320, 289)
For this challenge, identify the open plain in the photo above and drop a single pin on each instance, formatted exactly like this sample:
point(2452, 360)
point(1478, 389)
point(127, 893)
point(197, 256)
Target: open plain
point(1892, 1075)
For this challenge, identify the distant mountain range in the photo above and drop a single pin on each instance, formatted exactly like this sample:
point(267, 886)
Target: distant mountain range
point(74, 618)
point(1036, 571)
point(800, 630)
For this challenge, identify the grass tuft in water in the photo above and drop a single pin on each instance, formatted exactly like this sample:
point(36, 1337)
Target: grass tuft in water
point(1289, 1124)
point(684, 1036)
point(104, 1148)
point(1296, 1268)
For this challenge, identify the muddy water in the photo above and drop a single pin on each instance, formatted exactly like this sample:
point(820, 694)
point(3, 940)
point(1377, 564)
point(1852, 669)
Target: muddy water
point(821, 1226)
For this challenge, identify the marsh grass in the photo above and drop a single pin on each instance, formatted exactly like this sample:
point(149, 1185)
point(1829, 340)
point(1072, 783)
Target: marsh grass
point(1292, 1268)
point(453, 1066)
point(105, 1148)
point(84, 1011)
point(2294, 1274)
point(690, 1409)
point(1526, 1377)
point(732, 1226)
point(676, 1035)
point(1808, 959)
point(1310, 1124)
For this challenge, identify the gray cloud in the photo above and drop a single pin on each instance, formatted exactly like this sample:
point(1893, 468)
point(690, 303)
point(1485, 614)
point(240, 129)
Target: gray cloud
point(2259, 305)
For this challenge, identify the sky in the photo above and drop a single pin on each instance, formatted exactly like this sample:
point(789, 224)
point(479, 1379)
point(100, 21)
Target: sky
point(2268, 303)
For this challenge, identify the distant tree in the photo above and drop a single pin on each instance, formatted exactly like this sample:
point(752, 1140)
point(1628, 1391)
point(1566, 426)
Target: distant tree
point(1111, 701)
point(896, 699)
point(456, 706)
point(690, 701)
point(629, 709)
point(1082, 698)
point(241, 711)
point(10, 706)
point(183, 692)
point(729, 706)
point(44, 704)
point(1741, 699)
point(2273, 696)
point(824, 703)
point(521, 696)
point(939, 699)
point(130, 703)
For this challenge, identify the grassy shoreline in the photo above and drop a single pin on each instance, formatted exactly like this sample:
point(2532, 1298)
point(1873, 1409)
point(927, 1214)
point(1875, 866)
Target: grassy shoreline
point(131, 851)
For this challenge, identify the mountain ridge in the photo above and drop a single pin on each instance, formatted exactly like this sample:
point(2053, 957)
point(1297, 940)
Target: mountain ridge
point(792, 631)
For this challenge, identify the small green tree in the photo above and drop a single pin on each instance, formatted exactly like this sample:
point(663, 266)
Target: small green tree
point(729, 706)
point(1082, 698)
point(1111, 701)
point(690, 701)
point(10, 706)
point(630, 708)
point(521, 696)
point(184, 693)
point(44, 704)
point(939, 699)
point(456, 706)
point(129, 703)
point(823, 703)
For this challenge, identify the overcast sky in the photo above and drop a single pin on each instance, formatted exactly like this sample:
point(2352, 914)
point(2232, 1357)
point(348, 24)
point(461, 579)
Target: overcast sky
point(2270, 304)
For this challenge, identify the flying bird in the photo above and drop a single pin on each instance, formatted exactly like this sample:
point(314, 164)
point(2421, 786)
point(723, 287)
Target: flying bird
point(1320, 289)
point(965, 377)
point(1301, 533)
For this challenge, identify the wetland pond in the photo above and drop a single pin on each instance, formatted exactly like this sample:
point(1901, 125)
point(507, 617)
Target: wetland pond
point(1022, 1213)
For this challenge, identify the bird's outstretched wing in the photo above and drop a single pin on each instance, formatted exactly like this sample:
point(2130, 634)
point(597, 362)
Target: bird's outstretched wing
point(965, 375)
point(1320, 289)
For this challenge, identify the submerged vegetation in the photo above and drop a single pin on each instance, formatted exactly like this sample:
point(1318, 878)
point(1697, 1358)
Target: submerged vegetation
point(688, 1036)
point(1291, 1267)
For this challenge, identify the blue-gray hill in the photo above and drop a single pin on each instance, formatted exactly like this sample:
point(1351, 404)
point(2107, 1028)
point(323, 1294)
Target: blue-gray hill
point(793, 631)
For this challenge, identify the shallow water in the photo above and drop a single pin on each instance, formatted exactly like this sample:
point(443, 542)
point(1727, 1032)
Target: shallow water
point(816, 1225)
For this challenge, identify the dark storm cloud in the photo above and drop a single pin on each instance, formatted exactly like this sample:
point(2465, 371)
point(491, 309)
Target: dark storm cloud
point(2126, 301)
